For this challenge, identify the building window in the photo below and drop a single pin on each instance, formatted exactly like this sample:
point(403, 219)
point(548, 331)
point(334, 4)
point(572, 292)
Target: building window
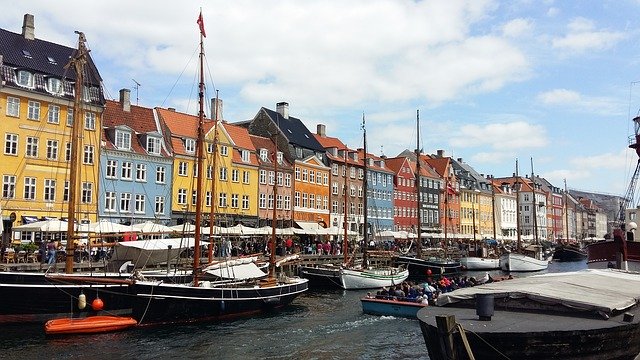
point(287, 202)
point(297, 173)
point(182, 168)
point(287, 180)
point(88, 155)
point(90, 120)
point(224, 150)
point(67, 152)
point(140, 203)
point(49, 190)
point(159, 207)
point(270, 201)
point(325, 180)
point(263, 154)
point(11, 144)
point(110, 201)
point(296, 200)
point(194, 197)
point(182, 196)
point(25, 78)
point(312, 176)
point(190, 145)
point(334, 188)
point(13, 106)
point(65, 191)
point(272, 179)
point(69, 117)
point(245, 202)
point(54, 114)
point(245, 155)
point(279, 202)
point(223, 174)
point(209, 171)
point(141, 172)
point(52, 149)
point(125, 174)
point(262, 201)
point(29, 188)
point(87, 193)
point(245, 177)
point(210, 148)
point(32, 147)
point(263, 177)
point(279, 177)
point(125, 202)
point(304, 175)
point(33, 110)
point(153, 145)
point(234, 201)
point(54, 86)
point(123, 140)
point(8, 186)
point(235, 175)
point(160, 174)
point(207, 199)
point(111, 169)
point(222, 200)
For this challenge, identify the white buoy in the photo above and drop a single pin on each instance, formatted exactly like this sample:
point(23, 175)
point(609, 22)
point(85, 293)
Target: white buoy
point(82, 301)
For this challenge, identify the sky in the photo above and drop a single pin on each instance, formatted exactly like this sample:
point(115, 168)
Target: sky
point(555, 83)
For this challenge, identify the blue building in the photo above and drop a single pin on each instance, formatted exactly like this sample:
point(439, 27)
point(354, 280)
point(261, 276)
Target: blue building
point(379, 194)
point(135, 167)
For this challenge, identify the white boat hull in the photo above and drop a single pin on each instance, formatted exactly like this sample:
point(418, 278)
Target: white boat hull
point(520, 262)
point(372, 278)
point(478, 263)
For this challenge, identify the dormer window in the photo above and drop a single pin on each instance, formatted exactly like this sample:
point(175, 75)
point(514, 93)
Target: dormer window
point(245, 155)
point(279, 156)
point(263, 154)
point(334, 151)
point(123, 140)
point(25, 78)
point(52, 60)
point(355, 156)
point(54, 86)
point(190, 145)
point(26, 54)
point(224, 150)
point(153, 145)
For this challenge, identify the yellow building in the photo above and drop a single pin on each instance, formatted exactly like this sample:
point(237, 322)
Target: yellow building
point(231, 172)
point(36, 117)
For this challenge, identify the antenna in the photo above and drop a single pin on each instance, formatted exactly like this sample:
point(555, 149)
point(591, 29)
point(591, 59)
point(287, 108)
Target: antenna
point(137, 86)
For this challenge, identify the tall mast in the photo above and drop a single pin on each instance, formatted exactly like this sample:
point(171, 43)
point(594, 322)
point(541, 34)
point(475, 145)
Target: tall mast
point(535, 215)
point(566, 210)
point(199, 162)
point(446, 203)
point(418, 202)
point(493, 209)
point(345, 247)
point(78, 62)
point(272, 244)
point(212, 214)
point(365, 200)
point(517, 206)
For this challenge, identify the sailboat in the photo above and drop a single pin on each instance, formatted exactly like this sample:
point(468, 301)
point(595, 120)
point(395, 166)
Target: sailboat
point(36, 296)
point(160, 302)
point(568, 251)
point(530, 258)
point(352, 276)
point(418, 266)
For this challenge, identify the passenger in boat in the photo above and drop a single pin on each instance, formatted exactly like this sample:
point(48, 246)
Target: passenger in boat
point(383, 294)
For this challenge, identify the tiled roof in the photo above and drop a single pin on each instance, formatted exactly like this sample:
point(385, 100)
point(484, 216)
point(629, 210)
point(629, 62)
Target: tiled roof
point(261, 142)
point(239, 136)
point(295, 131)
point(395, 164)
point(180, 126)
point(330, 142)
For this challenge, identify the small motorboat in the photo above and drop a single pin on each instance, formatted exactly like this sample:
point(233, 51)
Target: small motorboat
point(391, 307)
point(88, 325)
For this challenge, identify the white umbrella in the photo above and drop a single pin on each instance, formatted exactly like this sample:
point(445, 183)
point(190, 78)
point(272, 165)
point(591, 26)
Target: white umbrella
point(184, 228)
point(106, 227)
point(44, 226)
point(151, 227)
point(240, 230)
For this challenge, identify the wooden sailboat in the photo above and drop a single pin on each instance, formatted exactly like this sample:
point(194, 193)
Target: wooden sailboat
point(418, 266)
point(566, 250)
point(530, 258)
point(159, 302)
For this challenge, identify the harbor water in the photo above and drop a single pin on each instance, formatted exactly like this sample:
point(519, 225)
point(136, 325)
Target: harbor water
point(321, 324)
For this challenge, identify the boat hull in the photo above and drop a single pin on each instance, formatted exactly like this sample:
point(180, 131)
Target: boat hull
point(423, 268)
point(523, 335)
point(31, 297)
point(321, 276)
point(88, 325)
point(603, 255)
point(518, 262)
point(479, 263)
point(156, 302)
point(568, 254)
point(372, 278)
point(386, 307)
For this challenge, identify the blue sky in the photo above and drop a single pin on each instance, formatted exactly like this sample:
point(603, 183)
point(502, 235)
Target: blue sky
point(493, 80)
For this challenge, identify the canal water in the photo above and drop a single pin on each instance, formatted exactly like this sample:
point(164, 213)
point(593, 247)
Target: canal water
point(319, 325)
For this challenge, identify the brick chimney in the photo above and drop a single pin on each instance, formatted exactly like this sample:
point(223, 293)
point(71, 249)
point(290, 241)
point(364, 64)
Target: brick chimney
point(28, 27)
point(283, 109)
point(321, 130)
point(440, 153)
point(216, 109)
point(125, 100)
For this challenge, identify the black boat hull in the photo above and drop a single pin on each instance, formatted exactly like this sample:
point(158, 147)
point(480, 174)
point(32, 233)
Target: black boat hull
point(158, 303)
point(568, 254)
point(321, 277)
point(422, 268)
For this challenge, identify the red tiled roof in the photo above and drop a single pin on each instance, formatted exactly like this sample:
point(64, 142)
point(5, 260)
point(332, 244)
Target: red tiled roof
point(239, 136)
point(330, 142)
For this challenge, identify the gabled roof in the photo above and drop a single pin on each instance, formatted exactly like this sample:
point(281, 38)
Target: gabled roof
point(294, 130)
point(329, 142)
point(179, 127)
point(239, 136)
point(261, 142)
point(395, 164)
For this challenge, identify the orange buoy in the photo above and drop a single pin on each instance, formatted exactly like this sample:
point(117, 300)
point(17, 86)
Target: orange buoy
point(97, 304)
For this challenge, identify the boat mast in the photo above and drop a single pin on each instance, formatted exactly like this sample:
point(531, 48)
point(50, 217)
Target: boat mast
point(517, 185)
point(493, 208)
point(418, 202)
point(346, 183)
point(78, 62)
point(199, 162)
point(566, 210)
point(212, 215)
point(535, 215)
point(365, 202)
point(272, 244)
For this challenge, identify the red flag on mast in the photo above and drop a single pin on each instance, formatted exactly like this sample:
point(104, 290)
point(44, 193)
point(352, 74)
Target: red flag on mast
point(200, 23)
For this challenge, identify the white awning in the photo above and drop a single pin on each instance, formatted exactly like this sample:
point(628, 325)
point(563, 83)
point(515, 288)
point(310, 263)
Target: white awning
point(150, 252)
point(237, 271)
point(309, 228)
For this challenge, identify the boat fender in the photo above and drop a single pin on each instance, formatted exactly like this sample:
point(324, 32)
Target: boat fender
point(82, 301)
point(97, 304)
point(222, 306)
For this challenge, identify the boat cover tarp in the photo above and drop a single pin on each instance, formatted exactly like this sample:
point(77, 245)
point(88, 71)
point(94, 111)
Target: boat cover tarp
point(237, 271)
point(150, 252)
point(599, 290)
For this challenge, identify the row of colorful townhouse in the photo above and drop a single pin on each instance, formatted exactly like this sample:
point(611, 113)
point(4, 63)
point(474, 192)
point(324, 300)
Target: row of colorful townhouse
point(138, 164)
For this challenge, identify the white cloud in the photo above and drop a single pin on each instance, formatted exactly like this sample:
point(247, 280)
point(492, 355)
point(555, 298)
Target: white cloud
point(517, 27)
point(501, 136)
point(574, 101)
point(553, 12)
point(582, 36)
point(559, 97)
